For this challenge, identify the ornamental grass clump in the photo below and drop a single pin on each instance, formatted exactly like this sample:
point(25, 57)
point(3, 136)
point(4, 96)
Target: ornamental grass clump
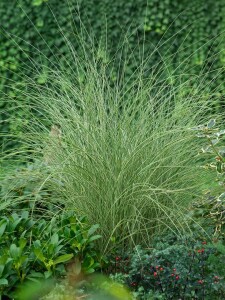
point(118, 151)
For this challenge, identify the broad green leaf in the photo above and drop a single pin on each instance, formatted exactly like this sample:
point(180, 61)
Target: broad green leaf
point(37, 2)
point(15, 223)
point(3, 281)
point(25, 214)
point(88, 262)
point(22, 243)
point(34, 275)
point(14, 251)
point(77, 245)
point(90, 271)
point(93, 229)
point(22, 259)
point(54, 239)
point(37, 244)
point(95, 237)
point(63, 258)
point(39, 254)
point(51, 249)
point(3, 259)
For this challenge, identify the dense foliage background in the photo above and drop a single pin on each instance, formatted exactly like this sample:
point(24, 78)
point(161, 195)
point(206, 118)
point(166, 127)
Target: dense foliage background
point(181, 30)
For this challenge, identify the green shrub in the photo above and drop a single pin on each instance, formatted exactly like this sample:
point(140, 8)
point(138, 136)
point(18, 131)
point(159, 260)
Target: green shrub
point(33, 250)
point(174, 269)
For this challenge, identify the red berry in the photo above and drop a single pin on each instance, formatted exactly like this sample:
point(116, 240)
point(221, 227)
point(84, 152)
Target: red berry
point(200, 281)
point(155, 274)
point(157, 267)
point(118, 258)
point(201, 250)
point(177, 277)
point(172, 275)
point(204, 243)
point(174, 270)
point(161, 269)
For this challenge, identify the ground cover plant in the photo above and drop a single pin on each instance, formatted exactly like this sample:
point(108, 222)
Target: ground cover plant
point(37, 249)
point(174, 268)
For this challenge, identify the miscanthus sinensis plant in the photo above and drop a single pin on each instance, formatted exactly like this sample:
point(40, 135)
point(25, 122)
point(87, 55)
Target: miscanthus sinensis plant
point(121, 151)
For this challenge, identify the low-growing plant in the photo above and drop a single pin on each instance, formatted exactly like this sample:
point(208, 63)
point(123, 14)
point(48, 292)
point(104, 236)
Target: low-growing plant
point(33, 250)
point(174, 269)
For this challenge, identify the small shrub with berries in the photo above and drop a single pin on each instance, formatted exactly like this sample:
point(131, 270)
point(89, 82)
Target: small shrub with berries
point(174, 269)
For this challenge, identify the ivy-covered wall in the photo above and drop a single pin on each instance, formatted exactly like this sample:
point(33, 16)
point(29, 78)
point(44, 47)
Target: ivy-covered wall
point(189, 31)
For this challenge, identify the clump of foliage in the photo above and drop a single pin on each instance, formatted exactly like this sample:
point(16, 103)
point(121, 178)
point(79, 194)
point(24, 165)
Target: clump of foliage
point(174, 269)
point(36, 249)
point(210, 210)
point(26, 186)
point(125, 155)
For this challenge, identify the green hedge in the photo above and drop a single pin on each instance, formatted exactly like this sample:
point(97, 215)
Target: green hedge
point(193, 30)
